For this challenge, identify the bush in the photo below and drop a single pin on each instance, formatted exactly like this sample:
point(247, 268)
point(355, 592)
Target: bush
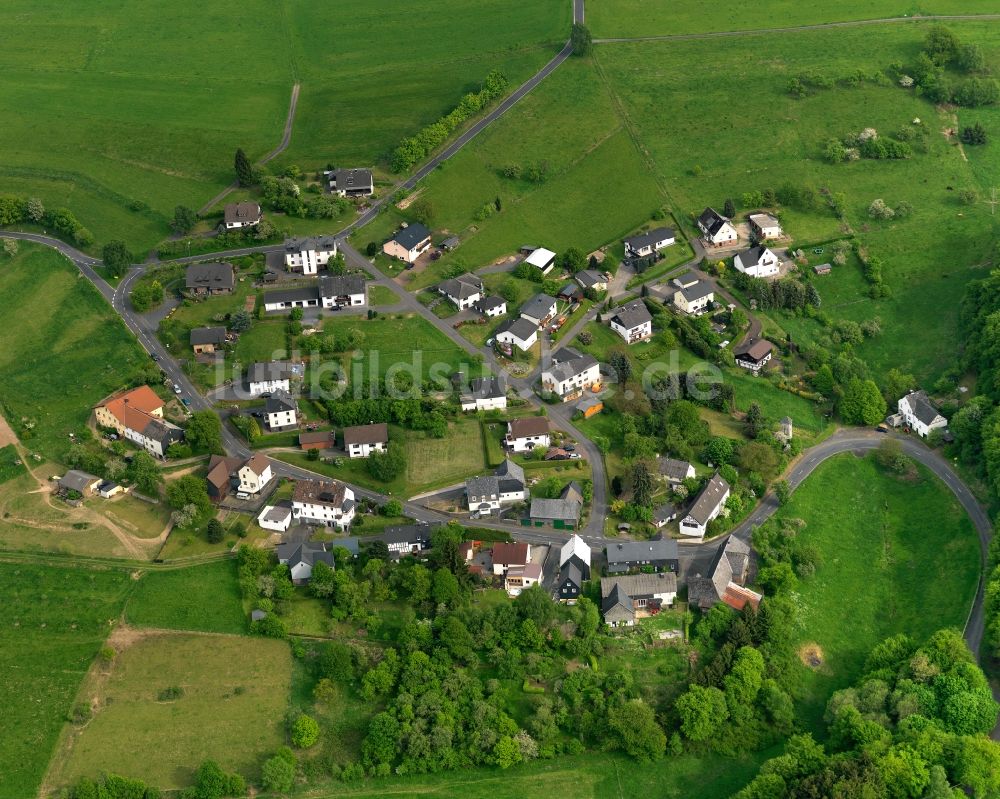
point(305, 731)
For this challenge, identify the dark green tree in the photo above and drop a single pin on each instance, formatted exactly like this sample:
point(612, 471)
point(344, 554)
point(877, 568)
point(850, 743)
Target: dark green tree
point(244, 169)
point(184, 220)
point(117, 257)
point(642, 484)
point(214, 532)
point(581, 39)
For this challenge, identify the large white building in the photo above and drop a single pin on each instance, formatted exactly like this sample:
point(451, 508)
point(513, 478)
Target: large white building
point(523, 435)
point(485, 394)
point(281, 411)
point(919, 414)
point(490, 493)
point(310, 254)
point(571, 373)
point(270, 376)
point(329, 503)
point(331, 291)
point(632, 322)
point(758, 261)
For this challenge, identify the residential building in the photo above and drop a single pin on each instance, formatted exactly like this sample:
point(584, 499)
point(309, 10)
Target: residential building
point(240, 215)
point(491, 306)
point(464, 291)
point(408, 539)
point(539, 309)
point(758, 261)
point(490, 493)
point(675, 471)
point(574, 569)
point(571, 373)
point(716, 229)
point(707, 505)
point(592, 279)
point(724, 581)
point(209, 279)
point(626, 599)
point(323, 439)
point(632, 322)
point(764, 226)
point(644, 244)
point(301, 558)
point(920, 414)
point(309, 255)
point(241, 475)
point(331, 291)
point(518, 578)
point(664, 514)
point(696, 298)
point(660, 554)
point(484, 394)
point(205, 340)
point(519, 333)
point(562, 512)
point(362, 440)
point(269, 376)
point(523, 435)
point(543, 260)
point(686, 280)
point(81, 482)
point(277, 518)
point(505, 555)
point(281, 411)
point(326, 502)
point(350, 182)
point(137, 415)
point(409, 243)
point(753, 354)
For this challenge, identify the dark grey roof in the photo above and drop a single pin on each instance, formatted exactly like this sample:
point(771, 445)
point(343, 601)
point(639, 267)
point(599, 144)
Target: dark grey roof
point(241, 212)
point(490, 304)
point(266, 371)
point(310, 554)
point(209, 276)
point(351, 179)
point(508, 470)
point(688, 278)
point(409, 534)
point(571, 571)
point(279, 401)
point(708, 500)
point(617, 597)
point(674, 469)
point(922, 407)
point(566, 370)
point(162, 432)
point(486, 388)
point(76, 480)
point(565, 509)
point(303, 294)
point(696, 292)
point(730, 561)
point(632, 315)
point(520, 327)
point(377, 433)
point(341, 285)
point(351, 544)
point(318, 243)
point(208, 335)
point(650, 239)
point(538, 307)
point(640, 585)
point(482, 487)
point(588, 278)
point(624, 552)
point(664, 513)
point(411, 235)
point(711, 220)
point(461, 287)
point(752, 256)
point(571, 289)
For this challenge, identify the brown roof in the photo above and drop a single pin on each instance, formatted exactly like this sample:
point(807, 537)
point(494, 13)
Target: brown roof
point(529, 426)
point(510, 554)
point(319, 492)
point(737, 597)
point(755, 349)
point(257, 463)
point(242, 212)
point(366, 434)
point(219, 469)
point(322, 437)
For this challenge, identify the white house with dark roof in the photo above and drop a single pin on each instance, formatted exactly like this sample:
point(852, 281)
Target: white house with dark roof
point(464, 290)
point(716, 229)
point(281, 411)
point(753, 354)
point(330, 291)
point(326, 502)
point(632, 322)
point(519, 332)
point(706, 506)
point(490, 493)
point(240, 215)
point(694, 299)
point(301, 558)
point(524, 434)
point(539, 309)
point(758, 261)
point(543, 260)
point(350, 182)
point(574, 569)
point(764, 226)
point(265, 377)
point(409, 243)
point(491, 306)
point(571, 373)
point(277, 518)
point(659, 554)
point(361, 441)
point(643, 244)
point(675, 471)
point(484, 394)
point(309, 255)
point(920, 414)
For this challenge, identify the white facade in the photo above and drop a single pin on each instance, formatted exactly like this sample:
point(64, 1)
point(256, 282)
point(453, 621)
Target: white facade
point(363, 450)
point(276, 519)
point(766, 265)
point(282, 418)
point(632, 334)
point(251, 482)
point(259, 387)
point(484, 403)
point(726, 234)
point(695, 305)
point(323, 513)
point(766, 226)
point(310, 258)
point(542, 259)
point(919, 415)
point(523, 344)
point(563, 385)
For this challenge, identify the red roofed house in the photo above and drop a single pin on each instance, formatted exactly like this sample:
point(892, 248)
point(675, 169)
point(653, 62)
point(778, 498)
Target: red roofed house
point(137, 415)
point(507, 555)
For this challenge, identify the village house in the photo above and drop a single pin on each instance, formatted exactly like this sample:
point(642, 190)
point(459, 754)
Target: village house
point(490, 493)
point(301, 558)
point(330, 291)
point(206, 340)
point(409, 243)
point(408, 539)
point(484, 394)
point(265, 377)
point(725, 579)
point(561, 512)
point(323, 439)
point(539, 309)
point(350, 182)
point(362, 440)
point(571, 373)
point(308, 255)
point(520, 333)
point(240, 215)
point(590, 279)
point(137, 415)
point(626, 599)
point(753, 354)
point(758, 261)
point(570, 293)
point(83, 483)
point(543, 260)
point(694, 299)
point(643, 244)
point(518, 578)
point(706, 507)
point(247, 476)
point(277, 518)
point(505, 555)
point(209, 279)
point(574, 569)
point(491, 306)
point(660, 554)
point(281, 411)
point(716, 229)
point(464, 291)
point(632, 322)
point(675, 471)
point(523, 435)
point(919, 414)
point(764, 227)
point(664, 514)
point(326, 502)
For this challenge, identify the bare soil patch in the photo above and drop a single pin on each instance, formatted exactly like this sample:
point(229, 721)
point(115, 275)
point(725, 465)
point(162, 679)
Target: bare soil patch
point(811, 656)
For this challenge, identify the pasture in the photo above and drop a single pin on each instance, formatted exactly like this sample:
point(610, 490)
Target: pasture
point(897, 554)
point(62, 349)
point(55, 620)
point(205, 598)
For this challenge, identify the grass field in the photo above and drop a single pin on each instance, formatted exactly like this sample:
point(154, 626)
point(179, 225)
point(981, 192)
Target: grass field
point(55, 621)
point(234, 692)
point(205, 598)
point(897, 555)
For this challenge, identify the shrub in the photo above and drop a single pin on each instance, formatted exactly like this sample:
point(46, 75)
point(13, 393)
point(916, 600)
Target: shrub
point(305, 731)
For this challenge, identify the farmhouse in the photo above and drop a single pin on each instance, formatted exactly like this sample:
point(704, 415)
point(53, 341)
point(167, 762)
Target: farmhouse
point(265, 377)
point(523, 435)
point(706, 507)
point(716, 229)
point(539, 309)
point(409, 243)
point(758, 261)
point(660, 554)
point(243, 475)
point(543, 260)
point(753, 354)
point(408, 539)
point(675, 471)
point(317, 440)
point(464, 290)
point(518, 578)
point(277, 518)
point(504, 555)
point(83, 483)
point(574, 569)
point(309, 254)
point(725, 578)
point(491, 306)
point(209, 279)
point(645, 244)
point(518, 332)
point(205, 340)
point(362, 440)
point(632, 322)
point(281, 411)
point(326, 502)
point(485, 394)
point(694, 299)
point(919, 414)
point(350, 182)
point(302, 557)
point(137, 414)
point(591, 279)
point(564, 511)
point(764, 227)
point(239, 215)
point(492, 492)
point(571, 373)
point(331, 291)
point(625, 599)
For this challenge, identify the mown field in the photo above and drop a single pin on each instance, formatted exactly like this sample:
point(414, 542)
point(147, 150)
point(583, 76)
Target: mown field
point(62, 349)
point(205, 598)
point(110, 112)
point(55, 620)
point(897, 554)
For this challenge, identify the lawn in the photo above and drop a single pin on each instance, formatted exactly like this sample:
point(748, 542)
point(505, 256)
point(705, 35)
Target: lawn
point(10, 464)
point(381, 296)
point(205, 598)
point(897, 555)
point(55, 621)
point(264, 341)
point(141, 519)
point(233, 696)
point(62, 349)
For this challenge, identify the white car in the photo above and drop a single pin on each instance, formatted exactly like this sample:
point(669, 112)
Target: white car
point(242, 495)
point(177, 389)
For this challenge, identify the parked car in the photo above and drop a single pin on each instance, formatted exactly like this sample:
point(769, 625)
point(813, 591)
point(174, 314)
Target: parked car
point(155, 357)
point(242, 495)
point(186, 402)
point(177, 389)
